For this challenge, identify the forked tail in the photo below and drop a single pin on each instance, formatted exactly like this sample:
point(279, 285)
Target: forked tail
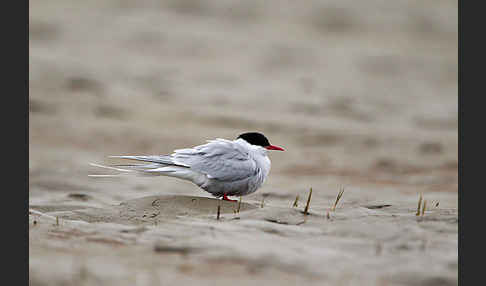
point(122, 172)
point(153, 169)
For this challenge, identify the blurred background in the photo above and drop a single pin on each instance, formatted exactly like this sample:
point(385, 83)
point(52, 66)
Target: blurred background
point(358, 93)
point(361, 94)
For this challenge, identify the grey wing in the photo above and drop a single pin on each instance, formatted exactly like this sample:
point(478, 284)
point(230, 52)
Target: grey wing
point(219, 159)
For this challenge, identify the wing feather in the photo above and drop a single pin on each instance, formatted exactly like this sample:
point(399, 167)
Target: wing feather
point(219, 159)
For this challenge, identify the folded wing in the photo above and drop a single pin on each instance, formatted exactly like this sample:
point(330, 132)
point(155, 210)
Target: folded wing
point(219, 159)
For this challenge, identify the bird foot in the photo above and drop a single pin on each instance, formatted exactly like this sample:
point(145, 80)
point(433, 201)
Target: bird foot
point(225, 198)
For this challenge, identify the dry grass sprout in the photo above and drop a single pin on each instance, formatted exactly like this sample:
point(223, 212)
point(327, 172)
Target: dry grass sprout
point(306, 210)
point(340, 194)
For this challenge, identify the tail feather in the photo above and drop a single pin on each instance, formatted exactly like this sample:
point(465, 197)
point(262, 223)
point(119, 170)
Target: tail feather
point(105, 176)
point(157, 159)
point(153, 169)
point(122, 172)
point(138, 167)
point(111, 168)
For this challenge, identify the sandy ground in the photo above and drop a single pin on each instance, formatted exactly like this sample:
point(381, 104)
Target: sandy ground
point(361, 96)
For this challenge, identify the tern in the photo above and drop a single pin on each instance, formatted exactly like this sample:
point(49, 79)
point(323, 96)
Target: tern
point(221, 167)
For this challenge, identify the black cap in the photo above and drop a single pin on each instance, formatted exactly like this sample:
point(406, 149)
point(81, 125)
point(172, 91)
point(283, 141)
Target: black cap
point(255, 138)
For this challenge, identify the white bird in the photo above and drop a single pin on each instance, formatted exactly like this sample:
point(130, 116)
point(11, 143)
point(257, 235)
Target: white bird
point(221, 167)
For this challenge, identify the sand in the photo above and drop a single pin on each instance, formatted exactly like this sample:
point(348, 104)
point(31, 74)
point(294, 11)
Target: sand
point(362, 96)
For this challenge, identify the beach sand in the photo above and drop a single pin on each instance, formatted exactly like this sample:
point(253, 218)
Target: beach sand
point(362, 96)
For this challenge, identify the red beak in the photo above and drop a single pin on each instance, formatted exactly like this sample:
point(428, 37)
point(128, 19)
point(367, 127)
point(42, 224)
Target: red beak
point(271, 147)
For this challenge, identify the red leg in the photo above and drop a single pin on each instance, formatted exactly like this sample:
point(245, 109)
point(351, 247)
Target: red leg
point(225, 198)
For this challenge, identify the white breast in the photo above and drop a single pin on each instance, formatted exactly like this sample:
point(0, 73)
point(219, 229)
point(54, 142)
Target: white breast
point(263, 164)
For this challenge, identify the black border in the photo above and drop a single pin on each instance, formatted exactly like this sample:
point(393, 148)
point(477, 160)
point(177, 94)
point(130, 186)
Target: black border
point(15, 135)
point(471, 86)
